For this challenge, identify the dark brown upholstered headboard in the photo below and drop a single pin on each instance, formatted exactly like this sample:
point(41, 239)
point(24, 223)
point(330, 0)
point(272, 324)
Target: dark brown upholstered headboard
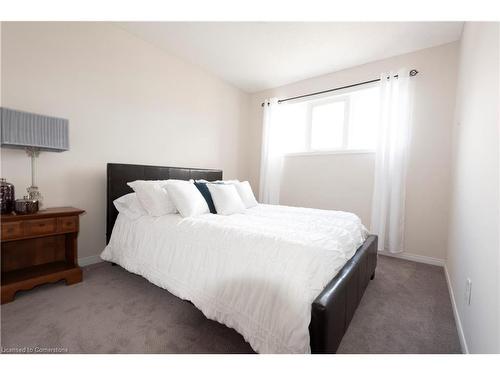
point(119, 174)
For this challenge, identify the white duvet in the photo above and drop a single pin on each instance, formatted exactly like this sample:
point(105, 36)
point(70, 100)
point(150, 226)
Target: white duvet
point(257, 272)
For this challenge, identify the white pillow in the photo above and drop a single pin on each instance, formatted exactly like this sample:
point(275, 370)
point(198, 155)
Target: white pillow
point(226, 182)
point(153, 197)
point(129, 205)
point(187, 199)
point(246, 194)
point(226, 199)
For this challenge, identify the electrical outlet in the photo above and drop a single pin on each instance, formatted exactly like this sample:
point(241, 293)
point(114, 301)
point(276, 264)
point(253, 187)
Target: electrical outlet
point(468, 291)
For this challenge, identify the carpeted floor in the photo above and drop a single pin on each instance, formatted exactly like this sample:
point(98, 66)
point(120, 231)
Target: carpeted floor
point(406, 309)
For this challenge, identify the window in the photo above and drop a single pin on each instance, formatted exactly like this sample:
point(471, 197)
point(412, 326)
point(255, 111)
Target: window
point(347, 121)
point(328, 122)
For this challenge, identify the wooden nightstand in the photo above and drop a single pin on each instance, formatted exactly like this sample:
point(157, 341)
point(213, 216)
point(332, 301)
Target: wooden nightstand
point(39, 248)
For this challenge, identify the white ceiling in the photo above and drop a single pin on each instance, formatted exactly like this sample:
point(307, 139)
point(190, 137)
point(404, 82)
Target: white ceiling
point(259, 55)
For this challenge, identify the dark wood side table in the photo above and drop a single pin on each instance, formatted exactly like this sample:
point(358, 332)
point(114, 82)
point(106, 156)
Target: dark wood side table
point(39, 248)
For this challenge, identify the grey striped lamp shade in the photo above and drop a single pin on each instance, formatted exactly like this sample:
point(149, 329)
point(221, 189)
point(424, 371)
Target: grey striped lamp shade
point(21, 129)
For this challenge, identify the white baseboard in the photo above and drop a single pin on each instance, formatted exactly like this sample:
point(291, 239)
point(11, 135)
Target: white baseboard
point(458, 322)
point(82, 262)
point(415, 258)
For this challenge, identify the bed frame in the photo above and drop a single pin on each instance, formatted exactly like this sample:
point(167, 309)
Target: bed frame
point(331, 311)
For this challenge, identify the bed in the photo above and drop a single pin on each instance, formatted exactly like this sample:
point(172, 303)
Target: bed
point(278, 302)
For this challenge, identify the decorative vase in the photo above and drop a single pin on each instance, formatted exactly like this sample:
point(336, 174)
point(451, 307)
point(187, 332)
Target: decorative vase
point(26, 206)
point(35, 195)
point(6, 196)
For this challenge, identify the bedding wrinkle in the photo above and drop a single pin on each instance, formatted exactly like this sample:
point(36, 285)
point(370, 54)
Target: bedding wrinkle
point(257, 271)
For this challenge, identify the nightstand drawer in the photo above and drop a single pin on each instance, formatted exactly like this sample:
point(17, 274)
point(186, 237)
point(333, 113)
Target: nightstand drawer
point(67, 224)
point(12, 230)
point(39, 226)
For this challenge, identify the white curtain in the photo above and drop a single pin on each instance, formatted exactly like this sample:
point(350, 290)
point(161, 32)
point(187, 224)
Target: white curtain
point(271, 163)
point(388, 205)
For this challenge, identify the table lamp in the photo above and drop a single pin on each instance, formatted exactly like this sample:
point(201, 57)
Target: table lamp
point(33, 133)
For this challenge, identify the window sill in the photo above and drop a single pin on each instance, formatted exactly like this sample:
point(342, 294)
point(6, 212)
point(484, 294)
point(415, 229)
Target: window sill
point(332, 152)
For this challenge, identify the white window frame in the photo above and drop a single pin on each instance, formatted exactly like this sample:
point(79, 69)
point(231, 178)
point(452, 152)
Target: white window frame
point(308, 129)
point(345, 130)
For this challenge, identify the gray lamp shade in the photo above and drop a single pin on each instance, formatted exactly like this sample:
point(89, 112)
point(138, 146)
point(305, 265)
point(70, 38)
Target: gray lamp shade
point(23, 129)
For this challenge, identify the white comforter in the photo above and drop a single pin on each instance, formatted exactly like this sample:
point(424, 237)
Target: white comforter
point(257, 272)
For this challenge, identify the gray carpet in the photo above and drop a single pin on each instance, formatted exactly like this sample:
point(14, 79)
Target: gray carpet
point(406, 309)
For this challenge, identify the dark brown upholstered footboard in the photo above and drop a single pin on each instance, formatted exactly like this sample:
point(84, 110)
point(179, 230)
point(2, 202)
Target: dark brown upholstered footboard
point(334, 308)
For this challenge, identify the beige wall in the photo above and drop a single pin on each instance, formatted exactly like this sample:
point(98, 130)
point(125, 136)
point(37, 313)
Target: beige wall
point(473, 246)
point(127, 102)
point(346, 180)
point(318, 181)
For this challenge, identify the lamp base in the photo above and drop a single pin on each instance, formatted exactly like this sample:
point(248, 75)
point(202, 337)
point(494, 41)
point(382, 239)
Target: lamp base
point(34, 194)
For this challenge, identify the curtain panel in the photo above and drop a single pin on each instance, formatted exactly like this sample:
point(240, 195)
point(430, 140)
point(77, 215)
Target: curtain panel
point(389, 193)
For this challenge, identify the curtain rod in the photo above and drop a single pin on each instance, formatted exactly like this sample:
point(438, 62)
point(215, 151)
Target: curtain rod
point(413, 73)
